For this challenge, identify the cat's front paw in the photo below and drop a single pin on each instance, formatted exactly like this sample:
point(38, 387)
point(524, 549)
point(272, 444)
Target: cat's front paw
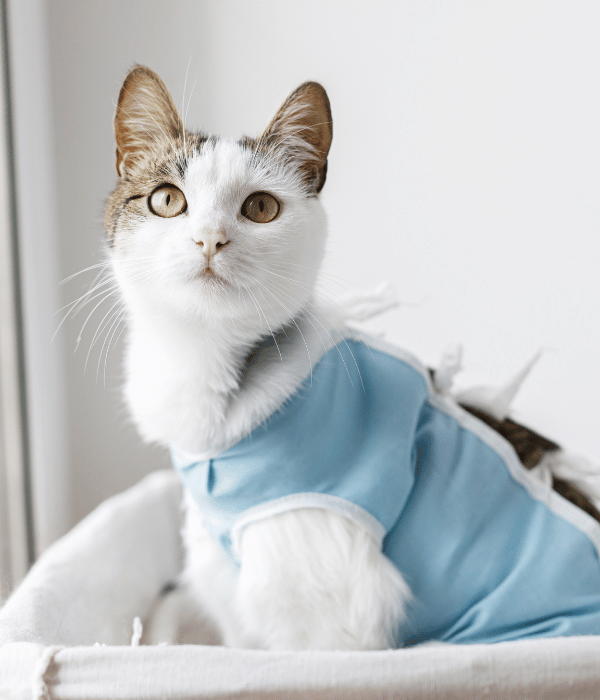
point(313, 579)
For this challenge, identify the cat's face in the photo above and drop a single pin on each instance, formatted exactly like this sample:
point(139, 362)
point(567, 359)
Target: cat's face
point(209, 228)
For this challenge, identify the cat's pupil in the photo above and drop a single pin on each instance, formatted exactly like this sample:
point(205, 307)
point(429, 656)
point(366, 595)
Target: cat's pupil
point(168, 199)
point(261, 205)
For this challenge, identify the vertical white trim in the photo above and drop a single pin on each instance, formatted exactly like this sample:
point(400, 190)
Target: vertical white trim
point(35, 179)
point(15, 520)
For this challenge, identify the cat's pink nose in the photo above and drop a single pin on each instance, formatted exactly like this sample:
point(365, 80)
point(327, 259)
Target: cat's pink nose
point(211, 241)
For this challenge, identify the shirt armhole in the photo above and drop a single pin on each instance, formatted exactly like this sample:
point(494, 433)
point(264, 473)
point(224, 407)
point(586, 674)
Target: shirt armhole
point(335, 504)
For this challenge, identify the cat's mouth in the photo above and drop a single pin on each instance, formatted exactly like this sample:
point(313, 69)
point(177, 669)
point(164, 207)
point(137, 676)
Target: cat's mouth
point(209, 274)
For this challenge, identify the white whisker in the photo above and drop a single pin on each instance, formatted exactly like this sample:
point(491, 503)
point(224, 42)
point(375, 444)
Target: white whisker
point(117, 317)
point(99, 330)
point(77, 305)
point(293, 320)
point(189, 100)
point(114, 289)
point(181, 113)
point(104, 264)
point(336, 345)
point(268, 324)
point(119, 321)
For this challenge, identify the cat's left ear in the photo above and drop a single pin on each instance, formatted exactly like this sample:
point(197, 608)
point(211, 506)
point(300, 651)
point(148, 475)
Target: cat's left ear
point(302, 129)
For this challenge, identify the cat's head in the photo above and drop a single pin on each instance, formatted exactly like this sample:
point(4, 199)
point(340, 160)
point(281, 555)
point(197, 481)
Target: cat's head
point(204, 227)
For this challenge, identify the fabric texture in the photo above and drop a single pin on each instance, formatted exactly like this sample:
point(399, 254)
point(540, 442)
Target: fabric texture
point(90, 585)
point(129, 543)
point(552, 669)
point(488, 557)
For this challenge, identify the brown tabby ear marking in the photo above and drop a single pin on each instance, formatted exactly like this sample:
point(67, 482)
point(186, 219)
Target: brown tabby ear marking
point(302, 128)
point(146, 115)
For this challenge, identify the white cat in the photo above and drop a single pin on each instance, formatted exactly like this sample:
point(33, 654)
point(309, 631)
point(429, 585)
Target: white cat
point(231, 255)
point(310, 449)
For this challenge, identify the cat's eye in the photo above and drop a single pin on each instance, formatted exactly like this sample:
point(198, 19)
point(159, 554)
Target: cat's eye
point(260, 207)
point(167, 201)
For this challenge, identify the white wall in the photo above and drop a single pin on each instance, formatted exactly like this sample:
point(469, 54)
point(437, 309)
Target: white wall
point(464, 169)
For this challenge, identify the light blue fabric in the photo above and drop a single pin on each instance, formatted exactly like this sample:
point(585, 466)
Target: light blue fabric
point(486, 561)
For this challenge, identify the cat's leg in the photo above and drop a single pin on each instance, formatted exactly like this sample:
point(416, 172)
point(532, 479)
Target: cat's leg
point(201, 608)
point(211, 577)
point(313, 579)
point(178, 618)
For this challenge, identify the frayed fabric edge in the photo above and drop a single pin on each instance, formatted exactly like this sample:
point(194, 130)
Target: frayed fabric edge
point(40, 689)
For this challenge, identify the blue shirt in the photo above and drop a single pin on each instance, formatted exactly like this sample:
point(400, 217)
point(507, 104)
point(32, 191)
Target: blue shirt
point(489, 553)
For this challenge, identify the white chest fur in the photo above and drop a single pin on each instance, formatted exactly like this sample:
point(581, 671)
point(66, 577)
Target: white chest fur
point(188, 384)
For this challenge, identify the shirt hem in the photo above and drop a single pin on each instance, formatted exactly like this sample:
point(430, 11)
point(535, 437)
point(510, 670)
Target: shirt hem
point(334, 504)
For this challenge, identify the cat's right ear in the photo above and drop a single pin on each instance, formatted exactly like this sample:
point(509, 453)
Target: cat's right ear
point(146, 114)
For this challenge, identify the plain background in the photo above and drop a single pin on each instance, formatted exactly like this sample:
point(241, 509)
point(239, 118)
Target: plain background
point(465, 169)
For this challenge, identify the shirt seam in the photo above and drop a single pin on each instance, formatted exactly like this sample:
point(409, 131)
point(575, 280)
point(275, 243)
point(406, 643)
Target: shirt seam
point(558, 505)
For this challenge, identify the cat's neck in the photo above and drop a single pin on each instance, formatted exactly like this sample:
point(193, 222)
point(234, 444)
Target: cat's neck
point(182, 374)
point(199, 384)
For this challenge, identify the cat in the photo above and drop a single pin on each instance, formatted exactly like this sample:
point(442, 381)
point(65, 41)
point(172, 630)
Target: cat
point(216, 245)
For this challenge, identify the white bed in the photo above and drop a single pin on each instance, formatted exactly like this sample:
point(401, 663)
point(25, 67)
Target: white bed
point(66, 633)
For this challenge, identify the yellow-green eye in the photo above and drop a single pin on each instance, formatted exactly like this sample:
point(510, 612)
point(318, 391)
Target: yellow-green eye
point(260, 207)
point(167, 201)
